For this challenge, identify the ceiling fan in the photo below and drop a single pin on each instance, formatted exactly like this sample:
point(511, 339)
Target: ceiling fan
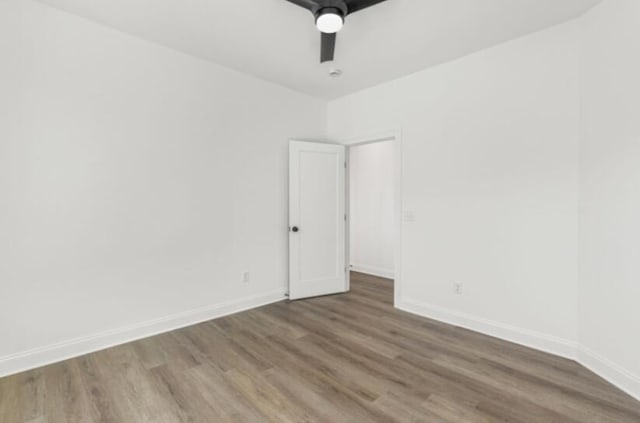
point(329, 16)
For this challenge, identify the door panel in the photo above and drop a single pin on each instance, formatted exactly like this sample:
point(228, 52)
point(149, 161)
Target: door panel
point(317, 212)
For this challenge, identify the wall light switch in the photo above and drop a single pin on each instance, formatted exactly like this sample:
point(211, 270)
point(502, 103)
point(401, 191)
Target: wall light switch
point(408, 216)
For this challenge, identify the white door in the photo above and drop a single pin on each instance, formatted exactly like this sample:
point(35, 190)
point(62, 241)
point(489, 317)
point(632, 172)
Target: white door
point(317, 261)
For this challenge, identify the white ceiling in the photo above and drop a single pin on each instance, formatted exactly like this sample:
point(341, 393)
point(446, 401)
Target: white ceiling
point(277, 41)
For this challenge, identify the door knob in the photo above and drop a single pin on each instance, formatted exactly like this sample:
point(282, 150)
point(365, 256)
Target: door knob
point(295, 229)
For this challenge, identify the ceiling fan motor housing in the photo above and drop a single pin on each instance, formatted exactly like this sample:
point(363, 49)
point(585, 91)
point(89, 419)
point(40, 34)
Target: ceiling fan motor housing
point(339, 7)
point(329, 10)
point(335, 7)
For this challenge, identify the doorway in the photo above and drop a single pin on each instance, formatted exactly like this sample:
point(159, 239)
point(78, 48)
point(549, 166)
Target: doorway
point(373, 208)
point(320, 218)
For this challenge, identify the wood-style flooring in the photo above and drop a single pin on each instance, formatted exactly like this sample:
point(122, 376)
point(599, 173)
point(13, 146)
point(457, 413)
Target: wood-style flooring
point(343, 358)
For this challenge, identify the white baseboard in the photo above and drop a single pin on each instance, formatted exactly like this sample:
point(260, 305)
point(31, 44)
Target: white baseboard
point(64, 350)
point(610, 371)
point(605, 368)
point(540, 341)
point(371, 270)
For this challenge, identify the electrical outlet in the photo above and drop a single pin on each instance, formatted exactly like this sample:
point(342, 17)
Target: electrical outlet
point(457, 288)
point(245, 277)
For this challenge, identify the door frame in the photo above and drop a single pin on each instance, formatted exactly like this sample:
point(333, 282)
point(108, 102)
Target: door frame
point(395, 137)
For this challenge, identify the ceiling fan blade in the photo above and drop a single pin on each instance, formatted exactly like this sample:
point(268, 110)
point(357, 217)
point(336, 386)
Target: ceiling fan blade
point(356, 5)
point(311, 5)
point(328, 47)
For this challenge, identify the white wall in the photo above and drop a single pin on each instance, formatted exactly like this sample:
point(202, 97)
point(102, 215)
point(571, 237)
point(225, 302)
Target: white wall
point(609, 306)
point(371, 208)
point(135, 183)
point(490, 172)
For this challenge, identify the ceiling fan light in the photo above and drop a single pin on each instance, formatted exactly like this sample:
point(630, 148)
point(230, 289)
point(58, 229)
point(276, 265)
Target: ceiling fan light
point(329, 21)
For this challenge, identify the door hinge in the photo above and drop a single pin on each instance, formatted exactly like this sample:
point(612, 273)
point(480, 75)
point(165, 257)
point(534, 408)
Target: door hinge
point(345, 165)
point(345, 217)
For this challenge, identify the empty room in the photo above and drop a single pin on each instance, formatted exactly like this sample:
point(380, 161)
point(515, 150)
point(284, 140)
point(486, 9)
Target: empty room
point(319, 211)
